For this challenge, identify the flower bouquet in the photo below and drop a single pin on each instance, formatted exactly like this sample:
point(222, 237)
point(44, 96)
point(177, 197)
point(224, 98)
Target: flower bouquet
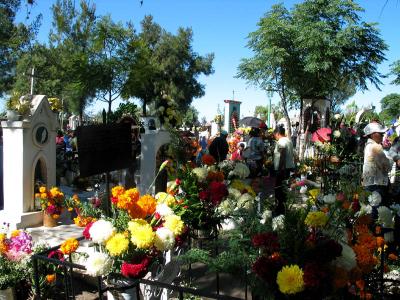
point(51, 202)
point(15, 250)
point(86, 212)
point(141, 229)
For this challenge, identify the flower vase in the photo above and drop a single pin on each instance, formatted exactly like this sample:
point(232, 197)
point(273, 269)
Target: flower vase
point(121, 293)
point(7, 294)
point(48, 220)
point(12, 115)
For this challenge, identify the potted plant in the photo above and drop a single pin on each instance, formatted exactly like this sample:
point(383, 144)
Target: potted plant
point(51, 202)
point(12, 112)
point(15, 250)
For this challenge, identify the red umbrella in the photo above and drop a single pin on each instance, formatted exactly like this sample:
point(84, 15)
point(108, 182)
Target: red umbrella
point(322, 135)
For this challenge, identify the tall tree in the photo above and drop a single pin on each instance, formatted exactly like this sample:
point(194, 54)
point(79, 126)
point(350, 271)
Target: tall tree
point(14, 38)
point(72, 36)
point(111, 43)
point(166, 64)
point(390, 106)
point(261, 111)
point(395, 70)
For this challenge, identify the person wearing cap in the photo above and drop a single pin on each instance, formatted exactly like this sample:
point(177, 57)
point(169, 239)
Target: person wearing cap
point(219, 147)
point(376, 167)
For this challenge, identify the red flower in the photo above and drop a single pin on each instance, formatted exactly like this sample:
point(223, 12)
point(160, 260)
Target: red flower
point(266, 267)
point(267, 240)
point(203, 195)
point(314, 276)
point(56, 254)
point(178, 181)
point(136, 269)
point(218, 191)
point(86, 233)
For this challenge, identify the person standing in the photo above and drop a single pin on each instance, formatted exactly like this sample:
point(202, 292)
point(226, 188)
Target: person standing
point(376, 165)
point(219, 147)
point(256, 146)
point(283, 164)
point(238, 154)
point(295, 132)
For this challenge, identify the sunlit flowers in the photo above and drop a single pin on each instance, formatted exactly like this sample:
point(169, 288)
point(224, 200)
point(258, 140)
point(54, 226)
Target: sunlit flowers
point(201, 173)
point(69, 246)
point(165, 198)
point(117, 244)
point(241, 170)
point(164, 239)
point(290, 279)
point(51, 201)
point(142, 234)
point(98, 264)
point(101, 231)
point(175, 224)
point(316, 219)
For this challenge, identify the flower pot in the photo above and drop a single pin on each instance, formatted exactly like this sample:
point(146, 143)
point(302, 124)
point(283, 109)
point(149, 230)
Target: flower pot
point(48, 220)
point(7, 294)
point(12, 115)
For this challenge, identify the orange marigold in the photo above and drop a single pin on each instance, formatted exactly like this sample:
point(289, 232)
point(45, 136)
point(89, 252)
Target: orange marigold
point(117, 190)
point(380, 241)
point(50, 278)
point(147, 204)
point(69, 246)
point(208, 159)
point(393, 256)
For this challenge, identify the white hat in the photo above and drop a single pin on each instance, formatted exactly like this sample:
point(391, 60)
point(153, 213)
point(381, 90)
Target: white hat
point(374, 127)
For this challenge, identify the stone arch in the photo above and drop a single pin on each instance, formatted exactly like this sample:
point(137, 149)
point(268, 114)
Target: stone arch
point(40, 173)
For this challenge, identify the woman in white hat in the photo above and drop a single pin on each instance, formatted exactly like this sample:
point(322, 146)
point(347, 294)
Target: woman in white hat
point(376, 167)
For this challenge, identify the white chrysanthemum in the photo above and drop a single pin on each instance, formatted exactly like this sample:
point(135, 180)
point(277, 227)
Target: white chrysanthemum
point(226, 207)
point(101, 231)
point(278, 222)
point(364, 210)
point(375, 199)
point(266, 216)
point(234, 193)
point(329, 199)
point(245, 201)
point(385, 217)
point(336, 133)
point(164, 210)
point(395, 208)
point(201, 173)
point(303, 189)
point(241, 170)
point(337, 116)
point(98, 264)
point(347, 260)
point(165, 239)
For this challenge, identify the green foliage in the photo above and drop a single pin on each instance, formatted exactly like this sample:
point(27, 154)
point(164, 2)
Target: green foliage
point(319, 49)
point(14, 38)
point(164, 63)
point(395, 70)
point(191, 116)
point(390, 106)
point(261, 111)
point(124, 109)
point(11, 273)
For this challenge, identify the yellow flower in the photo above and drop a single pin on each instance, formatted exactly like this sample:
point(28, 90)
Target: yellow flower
point(117, 190)
point(42, 189)
point(165, 198)
point(15, 233)
point(316, 219)
point(43, 195)
point(69, 246)
point(175, 224)
point(117, 244)
point(290, 279)
point(314, 194)
point(143, 236)
point(135, 223)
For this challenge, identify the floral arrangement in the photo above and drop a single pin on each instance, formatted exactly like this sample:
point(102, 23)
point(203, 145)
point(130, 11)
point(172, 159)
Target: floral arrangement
point(198, 192)
point(16, 248)
point(55, 104)
point(142, 227)
point(87, 212)
point(51, 201)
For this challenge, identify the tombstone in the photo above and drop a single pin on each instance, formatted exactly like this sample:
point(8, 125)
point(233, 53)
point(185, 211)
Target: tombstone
point(29, 152)
point(232, 115)
point(152, 140)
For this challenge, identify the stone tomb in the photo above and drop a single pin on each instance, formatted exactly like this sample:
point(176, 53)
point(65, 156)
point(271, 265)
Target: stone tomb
point(29, 157)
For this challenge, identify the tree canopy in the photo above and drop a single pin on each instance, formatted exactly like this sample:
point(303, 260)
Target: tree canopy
point(390, 106)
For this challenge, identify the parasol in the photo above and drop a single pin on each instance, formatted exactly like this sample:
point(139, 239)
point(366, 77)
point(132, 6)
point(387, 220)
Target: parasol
point(322, 135)
point(252, 122)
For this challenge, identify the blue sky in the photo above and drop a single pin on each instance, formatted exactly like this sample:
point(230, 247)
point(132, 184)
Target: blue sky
point(221, 27)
